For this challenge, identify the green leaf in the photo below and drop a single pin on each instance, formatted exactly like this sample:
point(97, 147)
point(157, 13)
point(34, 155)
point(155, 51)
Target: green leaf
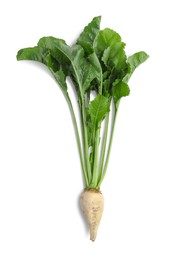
point(61, 79)
point(34, 53)
point(120, 89)
point(48, 44)
point(106, 86)
point(42, 55)
point(96, 112)
point(82, 71)
point(114, 56)
point(133, 62)
point(105, 39)
point(98, 108)
point(87, 37)
point(93, 59)
point(57, 72)
point(110, 51)
point(136, 59)
point(114, 59)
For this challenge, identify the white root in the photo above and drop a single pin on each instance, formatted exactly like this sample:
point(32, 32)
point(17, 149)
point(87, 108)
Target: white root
point(92, 204)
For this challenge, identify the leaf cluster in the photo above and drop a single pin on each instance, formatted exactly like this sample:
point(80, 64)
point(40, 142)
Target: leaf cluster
point(96, 63)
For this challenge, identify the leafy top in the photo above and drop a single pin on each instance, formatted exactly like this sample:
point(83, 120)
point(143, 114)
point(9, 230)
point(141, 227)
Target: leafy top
point(87, 37)
point(97, 63)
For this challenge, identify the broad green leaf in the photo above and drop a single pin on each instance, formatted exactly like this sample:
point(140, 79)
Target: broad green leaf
point(117, 74)
point(98, 108)
point(105, 39)
point(83, 71)
point(120, 89)
point(93, 59)
point(42, 55)
point(35, 54)
point(110, 51)
point(136, 59)
point(114, 59)
point(114, 56)
point(133, 62)
point(87, 37)
point(48, 44)
point(88, 75)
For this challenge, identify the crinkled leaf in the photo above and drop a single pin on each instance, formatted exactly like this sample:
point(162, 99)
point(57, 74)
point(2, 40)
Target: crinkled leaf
point(88, 75)
point(104, 39)
point(114, 57)
point(136, 59)
point(120, 89)
point(35, 54)
point(89, 34)
point(110, 50)
point(133, 62)
point(98, 108)
point(52, 63)
point(119, 74)
point(83, 71)
point(43, 55)
point(49, 44)
point(93, 59)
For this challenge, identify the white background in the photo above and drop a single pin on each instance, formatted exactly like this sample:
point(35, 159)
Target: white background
point(40, 175)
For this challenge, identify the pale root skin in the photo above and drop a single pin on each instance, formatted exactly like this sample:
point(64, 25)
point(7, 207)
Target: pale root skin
point(92, 204)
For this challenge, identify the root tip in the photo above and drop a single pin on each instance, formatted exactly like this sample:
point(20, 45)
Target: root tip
point(93, 236)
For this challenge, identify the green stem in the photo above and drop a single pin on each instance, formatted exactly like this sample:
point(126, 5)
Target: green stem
point(96, 157)
point(110, 145)
point(95, 170)
point(104, 146)
point(78, 141)
point(85, 142)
